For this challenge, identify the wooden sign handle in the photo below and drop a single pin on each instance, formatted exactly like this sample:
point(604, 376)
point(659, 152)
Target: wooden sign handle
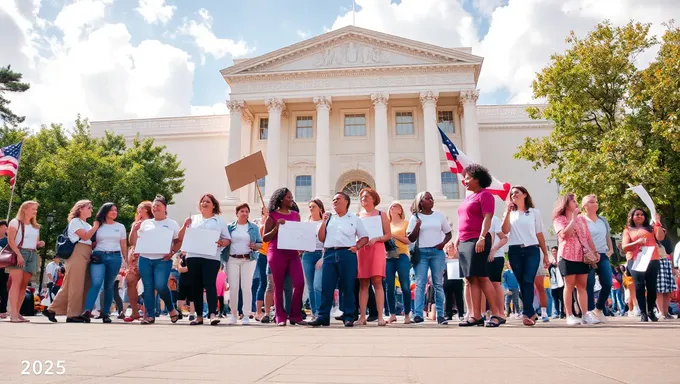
point(259, 192)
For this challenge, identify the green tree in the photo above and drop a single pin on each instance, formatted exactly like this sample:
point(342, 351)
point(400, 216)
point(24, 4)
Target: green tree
point(10, 81)
point(603, 140)
point(59, 167)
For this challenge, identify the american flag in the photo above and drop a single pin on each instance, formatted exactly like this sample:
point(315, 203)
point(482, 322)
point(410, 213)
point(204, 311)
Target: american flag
point(9, 161)
point(458, 161)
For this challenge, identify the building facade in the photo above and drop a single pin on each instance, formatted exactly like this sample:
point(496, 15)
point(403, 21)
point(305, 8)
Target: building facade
point(349, 109)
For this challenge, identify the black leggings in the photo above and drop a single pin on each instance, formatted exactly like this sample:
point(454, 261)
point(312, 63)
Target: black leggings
point(116, 296)
point(202, 275)
point(453, 292)
point(558, 299)
point(646, 280)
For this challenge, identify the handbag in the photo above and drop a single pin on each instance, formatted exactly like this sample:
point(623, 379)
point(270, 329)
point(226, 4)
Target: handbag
point(590, 257)
point(415, 251)
point(65, 246)
point(7, 256)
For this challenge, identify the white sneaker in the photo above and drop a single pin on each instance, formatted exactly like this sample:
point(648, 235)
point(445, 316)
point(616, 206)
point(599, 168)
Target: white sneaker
point(245, 320)
point(231, 320)
point(591, 318)
point(573, 320)
point(600, 315)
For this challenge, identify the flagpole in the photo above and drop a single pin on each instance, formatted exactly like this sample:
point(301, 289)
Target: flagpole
point(11, 196)
point(354, 13)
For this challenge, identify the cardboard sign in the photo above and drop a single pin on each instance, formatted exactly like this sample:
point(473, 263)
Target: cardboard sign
point(245, 171)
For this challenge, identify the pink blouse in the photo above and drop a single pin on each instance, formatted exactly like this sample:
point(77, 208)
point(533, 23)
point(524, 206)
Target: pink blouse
point(569, 246)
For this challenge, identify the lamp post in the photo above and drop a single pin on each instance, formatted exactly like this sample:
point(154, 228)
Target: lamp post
point(50, 220)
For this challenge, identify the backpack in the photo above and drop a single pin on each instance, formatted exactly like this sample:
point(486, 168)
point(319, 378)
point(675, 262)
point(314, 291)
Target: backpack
point(65, 246)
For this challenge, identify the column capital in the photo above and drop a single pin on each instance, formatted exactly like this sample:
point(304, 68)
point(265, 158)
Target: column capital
point(236, 106)
point(274, 104)
point(429, 98)
point(323, 102)
point(469, 96)
point(380, 99)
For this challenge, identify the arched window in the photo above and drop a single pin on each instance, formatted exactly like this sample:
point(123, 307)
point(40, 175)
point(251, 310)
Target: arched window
point(353, 188)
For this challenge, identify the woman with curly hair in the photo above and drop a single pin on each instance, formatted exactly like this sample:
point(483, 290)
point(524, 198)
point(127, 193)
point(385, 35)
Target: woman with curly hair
point(132, 278)
point(283, 261)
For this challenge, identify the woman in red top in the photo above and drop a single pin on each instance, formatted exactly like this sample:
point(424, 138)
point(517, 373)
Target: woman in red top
point(637, 236)
point(573, 240)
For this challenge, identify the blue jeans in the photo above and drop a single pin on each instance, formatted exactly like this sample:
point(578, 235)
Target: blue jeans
point(262, 271)
point(524, 263)
point(550, 311)
point(604, 271)
point(617, 300)
point(104, 273)
point(312, 279)
point(155, 274)
point(434, 260)
point(402, 266)
point(338, 264)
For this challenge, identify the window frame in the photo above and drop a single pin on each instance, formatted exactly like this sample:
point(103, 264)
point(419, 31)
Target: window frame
point(393, 122)
point(415, 184)
point(457, 184)
point(259, 128)
point(294, 119)
point(356, 111)
point(311, 188)
point(453, 119)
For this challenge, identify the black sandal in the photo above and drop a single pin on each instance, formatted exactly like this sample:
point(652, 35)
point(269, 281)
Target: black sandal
point(175, 317)
point(472, 323)
point(492, 324)
point(196, 322)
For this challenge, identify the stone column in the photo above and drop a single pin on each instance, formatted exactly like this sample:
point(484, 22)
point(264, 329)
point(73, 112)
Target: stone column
point(322, 177)
point(472, 147)
point(433, 143)
point(236, 108)
point(382, 153)
point(274, 182)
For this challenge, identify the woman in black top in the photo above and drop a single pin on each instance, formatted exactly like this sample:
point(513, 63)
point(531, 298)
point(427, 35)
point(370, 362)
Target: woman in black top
point(184, 286)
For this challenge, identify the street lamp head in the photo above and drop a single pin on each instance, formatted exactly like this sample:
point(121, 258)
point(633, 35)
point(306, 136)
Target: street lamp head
point(50, 218)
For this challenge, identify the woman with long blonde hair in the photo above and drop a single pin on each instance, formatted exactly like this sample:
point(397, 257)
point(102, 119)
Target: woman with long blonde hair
point(132, 274)
point(23, 238)
point(398, 263)
point(71, 297)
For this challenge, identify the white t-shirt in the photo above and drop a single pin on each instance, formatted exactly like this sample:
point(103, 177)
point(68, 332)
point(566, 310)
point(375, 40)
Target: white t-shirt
point(153, 223)
point(524, 226)
point(76, 224)
point(496, 227)
point(215, 223)
point(109, 236)
point(598, 231)
point(432, 229)
point(240, 240)
point(319, 245)
point(51, 269)
point(343, 231)
point(32, 234)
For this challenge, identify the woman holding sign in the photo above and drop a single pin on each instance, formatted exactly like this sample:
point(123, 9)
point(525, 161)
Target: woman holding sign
point(639, 240)
point(154, 268)
point(311, 261)
point(372, 257)
point(203, 268)
point(283, 261)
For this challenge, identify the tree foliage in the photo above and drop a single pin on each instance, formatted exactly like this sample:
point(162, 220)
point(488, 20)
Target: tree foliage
point(10, 81)
point(614, 124)
point(59, 167)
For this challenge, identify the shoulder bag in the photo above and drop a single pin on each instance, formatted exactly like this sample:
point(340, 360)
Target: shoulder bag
point(415, 252)
point(7, 256)
point(590, 257)
point(65, 246)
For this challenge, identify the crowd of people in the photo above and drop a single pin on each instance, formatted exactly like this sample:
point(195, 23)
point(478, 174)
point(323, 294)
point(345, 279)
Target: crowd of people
point(353, 276)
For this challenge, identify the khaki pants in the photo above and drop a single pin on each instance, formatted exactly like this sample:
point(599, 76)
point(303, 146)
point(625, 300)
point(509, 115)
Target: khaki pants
point(70, 300)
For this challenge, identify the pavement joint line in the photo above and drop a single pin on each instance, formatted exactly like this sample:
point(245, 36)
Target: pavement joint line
point(188, 355)
point(270, 373)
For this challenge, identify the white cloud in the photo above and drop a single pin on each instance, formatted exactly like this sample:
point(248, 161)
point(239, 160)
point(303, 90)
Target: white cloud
point(522, 33)
point(94, 70)
point(215, 109)
point(155, 11)
point(302, 34)
point(207, 42)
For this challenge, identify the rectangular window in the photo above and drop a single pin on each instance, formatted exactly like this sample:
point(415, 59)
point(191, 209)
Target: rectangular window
point(407, 186)
point(264, 127)
point(303, 126)
point(355, 124)
point(450, 185)
point(445, 121)
point(303, 188)
point(404, 121)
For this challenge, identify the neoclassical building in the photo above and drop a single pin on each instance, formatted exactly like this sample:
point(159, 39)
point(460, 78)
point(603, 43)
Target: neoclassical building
point(344, 110)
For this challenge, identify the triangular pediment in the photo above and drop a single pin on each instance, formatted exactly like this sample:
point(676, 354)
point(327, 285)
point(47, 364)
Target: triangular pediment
point(347, 48)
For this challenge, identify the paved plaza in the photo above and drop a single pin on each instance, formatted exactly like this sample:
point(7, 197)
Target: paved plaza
point(623, 351)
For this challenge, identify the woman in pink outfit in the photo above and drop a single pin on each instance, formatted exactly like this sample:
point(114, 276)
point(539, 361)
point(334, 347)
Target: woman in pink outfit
point(220, 285)
point(372, 258)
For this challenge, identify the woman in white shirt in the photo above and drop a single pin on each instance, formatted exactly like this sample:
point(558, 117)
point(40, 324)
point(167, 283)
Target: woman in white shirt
point(311, 261)
point(70, 299)
point(243, 254)
point(109, 245)
point(432, 232)
point(523, 224)
point(23, 238)
point(154, 268)
point(497, 262)
point(601, 234)
point(202, 268)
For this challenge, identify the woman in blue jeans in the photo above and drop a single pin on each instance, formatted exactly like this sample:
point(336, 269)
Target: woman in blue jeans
point(154, 268)
point(311, 261)
point(432, 232)
point(401, 264)
point(110, 243)
point(601, 234)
